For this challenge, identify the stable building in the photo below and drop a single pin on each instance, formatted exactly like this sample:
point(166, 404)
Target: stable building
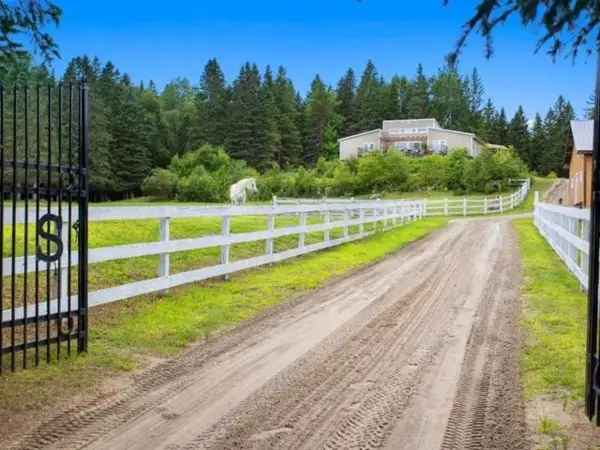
point(579, 192)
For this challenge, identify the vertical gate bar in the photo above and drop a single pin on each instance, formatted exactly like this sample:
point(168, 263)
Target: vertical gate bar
point(59, 273)
point(26, 223)
point(37, 218)
point(83, 223)
point(13, 255)
point(49, 208)
point(2, 225)
point(591, 397)
point(70, 214)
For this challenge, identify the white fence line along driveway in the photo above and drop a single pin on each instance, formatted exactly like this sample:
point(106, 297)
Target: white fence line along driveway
point(334, 216)
point(567, 231)
point(447, 207)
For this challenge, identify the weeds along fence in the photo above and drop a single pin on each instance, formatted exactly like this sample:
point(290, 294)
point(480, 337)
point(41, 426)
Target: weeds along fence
point(195, 243)
point(567, 231)
point(446, 207)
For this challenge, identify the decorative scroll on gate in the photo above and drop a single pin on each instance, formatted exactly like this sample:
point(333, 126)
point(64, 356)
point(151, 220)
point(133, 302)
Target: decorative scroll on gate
point(44, 140)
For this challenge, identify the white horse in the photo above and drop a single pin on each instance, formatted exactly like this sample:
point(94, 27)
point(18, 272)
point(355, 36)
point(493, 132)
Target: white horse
point(238, 192)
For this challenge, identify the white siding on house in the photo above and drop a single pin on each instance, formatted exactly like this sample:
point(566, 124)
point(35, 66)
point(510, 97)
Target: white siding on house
point(354, 146)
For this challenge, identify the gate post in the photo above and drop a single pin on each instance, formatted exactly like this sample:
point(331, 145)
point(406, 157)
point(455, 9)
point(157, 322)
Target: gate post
point(82, 297)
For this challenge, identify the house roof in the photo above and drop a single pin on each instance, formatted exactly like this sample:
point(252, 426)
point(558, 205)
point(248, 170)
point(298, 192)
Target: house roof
point(378, 130)
point(583, 135)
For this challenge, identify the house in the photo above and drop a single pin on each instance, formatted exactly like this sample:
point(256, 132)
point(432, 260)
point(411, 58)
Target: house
point(580, 166)
point(412, 136)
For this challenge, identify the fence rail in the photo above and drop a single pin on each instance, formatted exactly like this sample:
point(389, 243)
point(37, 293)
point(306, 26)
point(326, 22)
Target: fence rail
point(345, 217)
point(567, 231)
point(447, 207)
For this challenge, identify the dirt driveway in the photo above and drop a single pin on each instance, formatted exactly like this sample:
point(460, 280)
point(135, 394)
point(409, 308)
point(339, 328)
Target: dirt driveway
point(419, 351)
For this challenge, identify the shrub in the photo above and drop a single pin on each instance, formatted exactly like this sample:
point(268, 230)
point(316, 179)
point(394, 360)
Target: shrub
point(161, 184)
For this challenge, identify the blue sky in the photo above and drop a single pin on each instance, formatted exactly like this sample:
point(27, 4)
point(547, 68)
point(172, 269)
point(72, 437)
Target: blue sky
point(161, 40)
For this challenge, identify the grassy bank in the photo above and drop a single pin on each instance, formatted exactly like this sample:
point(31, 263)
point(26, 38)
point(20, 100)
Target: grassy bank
point(554, 319)
point(124, 334)
point(553, 355)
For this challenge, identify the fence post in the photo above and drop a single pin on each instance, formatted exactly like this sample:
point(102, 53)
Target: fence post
point(327, 234)
point(501, 205)
point(164, 259)
point(302, 236)
point(346, 217)
point(225, 248)
point(270, 227)
point(485, 205)
point(536, 198)
point(274, 201)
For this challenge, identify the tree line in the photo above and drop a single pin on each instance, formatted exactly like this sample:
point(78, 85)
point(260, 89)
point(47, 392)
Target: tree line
point(262, 119)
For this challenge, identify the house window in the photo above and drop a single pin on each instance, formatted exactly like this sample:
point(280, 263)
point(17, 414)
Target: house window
point(439, 146)
point(412, 147)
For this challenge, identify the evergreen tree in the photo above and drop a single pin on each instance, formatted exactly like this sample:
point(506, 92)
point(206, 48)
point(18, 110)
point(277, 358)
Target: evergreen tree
point(102, 179)
point(287, 121)
point(369, 110)
point(131, 159)
point(248, 136)
point(500, 128)
point(346, 106)
point(557, 125)
point(449, 102)
point(418, 102)
point(518, 135)
point(393, 99)
point(537, 144)
point(212, 106)
point(321, 121)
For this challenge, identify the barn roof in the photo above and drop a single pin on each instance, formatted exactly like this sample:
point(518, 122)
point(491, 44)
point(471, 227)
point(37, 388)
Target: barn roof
point(583, 135)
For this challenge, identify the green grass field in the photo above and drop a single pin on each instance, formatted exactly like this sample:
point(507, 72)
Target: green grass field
point(124, 334)
point(553, 359)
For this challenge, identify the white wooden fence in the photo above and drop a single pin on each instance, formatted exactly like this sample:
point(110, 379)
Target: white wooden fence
point(347, 217)
point(567, 231)
point(447, 207)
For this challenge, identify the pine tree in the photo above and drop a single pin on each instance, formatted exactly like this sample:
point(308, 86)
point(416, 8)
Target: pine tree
point(500, 128)
point(537, 144)
point(393, 99)
point(346, 106)
point(287, 121)
point(449, 103)
point(557, 125)
point(102, 179)
point(321, 121)
point(212, 105)
point(272, 144)
point(131, 161)
point(418, 102)
point(369, 110)
point(248, 132)
point(518, 135)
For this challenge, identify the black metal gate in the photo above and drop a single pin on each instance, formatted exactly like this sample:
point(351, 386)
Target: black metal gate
point(44, 140)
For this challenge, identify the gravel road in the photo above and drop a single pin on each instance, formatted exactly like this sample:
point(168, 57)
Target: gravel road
point(419, 351)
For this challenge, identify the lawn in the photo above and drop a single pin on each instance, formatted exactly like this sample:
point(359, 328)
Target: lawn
point(553, 354)
point(554, 320)
point(125, 334)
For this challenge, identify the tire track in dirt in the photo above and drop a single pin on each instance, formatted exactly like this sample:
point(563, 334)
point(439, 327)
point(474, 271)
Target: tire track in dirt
point(351, 365)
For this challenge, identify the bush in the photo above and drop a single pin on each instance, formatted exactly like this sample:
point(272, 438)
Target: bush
point(203, 175)
point(206, 174)
point(161, 184)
